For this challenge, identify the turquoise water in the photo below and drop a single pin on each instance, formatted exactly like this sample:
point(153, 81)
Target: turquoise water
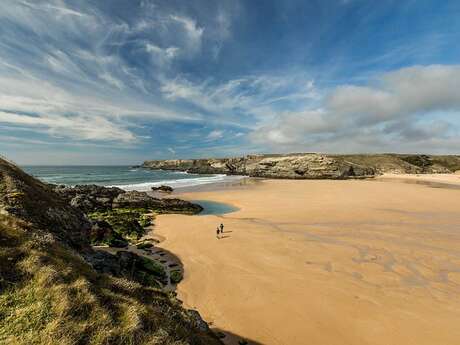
point(125, 177)
point(215, 208)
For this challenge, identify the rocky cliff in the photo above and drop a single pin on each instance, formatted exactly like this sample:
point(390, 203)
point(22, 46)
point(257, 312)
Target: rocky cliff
point(56, 289)
point(312, 165)
point(299, 166)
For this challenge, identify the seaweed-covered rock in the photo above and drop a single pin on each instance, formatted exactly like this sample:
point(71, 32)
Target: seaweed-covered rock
point(176, 276)
point(103, 233)
point(135, 199)
point(173, 205)
point(126, 222)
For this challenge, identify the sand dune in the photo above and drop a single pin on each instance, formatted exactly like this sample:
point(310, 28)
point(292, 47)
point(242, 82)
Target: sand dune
point(325, 262)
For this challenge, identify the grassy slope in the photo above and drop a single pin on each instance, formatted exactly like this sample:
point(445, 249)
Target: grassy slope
point(401, 162)
point(49, 295)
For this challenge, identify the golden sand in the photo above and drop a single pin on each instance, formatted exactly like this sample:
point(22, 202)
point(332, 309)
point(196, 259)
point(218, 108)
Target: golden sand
point(325, 262)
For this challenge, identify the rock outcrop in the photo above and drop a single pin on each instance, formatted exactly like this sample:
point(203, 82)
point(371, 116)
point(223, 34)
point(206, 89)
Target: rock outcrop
point(296, 166)
point(136, 199)
point(312, 165)
point(88, 198)
point(129, 265)
point(163, 188)
point(91, 198)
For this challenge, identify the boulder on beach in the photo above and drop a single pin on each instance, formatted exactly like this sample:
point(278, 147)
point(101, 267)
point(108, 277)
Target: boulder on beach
point(163, 188)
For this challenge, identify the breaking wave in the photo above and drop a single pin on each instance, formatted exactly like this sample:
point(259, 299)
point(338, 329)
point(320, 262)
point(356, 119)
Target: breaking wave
point(179, 183)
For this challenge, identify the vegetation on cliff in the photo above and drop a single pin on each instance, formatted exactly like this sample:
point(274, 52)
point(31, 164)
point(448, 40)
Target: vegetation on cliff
point(55, 289)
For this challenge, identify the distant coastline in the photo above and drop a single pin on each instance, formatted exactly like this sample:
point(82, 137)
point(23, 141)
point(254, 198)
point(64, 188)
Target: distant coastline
point(314, 165)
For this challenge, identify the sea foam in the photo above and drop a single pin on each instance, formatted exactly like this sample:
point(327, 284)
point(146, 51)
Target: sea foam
point(179, 183)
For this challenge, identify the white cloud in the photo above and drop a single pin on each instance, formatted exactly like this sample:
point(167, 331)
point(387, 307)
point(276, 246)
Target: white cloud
point(215, 134)
point(161, 56)
point(193, 32)
point(400, 93)
point(388, 112)
point(252, 95)
point(77, 127)
point(68, 86)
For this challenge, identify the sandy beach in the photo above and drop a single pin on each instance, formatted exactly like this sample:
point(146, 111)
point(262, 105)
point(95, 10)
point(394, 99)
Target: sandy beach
point(449, 179)
point(324, 262)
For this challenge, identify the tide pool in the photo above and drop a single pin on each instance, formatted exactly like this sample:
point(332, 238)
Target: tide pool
point(214, 207)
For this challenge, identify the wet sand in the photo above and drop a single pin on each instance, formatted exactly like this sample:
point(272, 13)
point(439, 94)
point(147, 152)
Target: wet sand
point(324, 262)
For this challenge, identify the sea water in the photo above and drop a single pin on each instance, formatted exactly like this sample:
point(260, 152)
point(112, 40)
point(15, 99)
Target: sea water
point(214, 207)
point(125, 177)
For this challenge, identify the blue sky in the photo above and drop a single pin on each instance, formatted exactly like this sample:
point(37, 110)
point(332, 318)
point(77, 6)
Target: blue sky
point(121, 81)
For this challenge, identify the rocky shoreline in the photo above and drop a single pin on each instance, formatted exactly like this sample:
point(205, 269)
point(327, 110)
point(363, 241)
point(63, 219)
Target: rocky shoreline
point(120, 219)
point(313, 165)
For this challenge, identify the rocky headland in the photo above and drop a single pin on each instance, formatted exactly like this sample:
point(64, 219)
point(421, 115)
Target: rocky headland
point(56, 287)
point(313, 165)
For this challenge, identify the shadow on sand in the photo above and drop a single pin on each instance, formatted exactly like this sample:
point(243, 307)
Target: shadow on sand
point(234, 339)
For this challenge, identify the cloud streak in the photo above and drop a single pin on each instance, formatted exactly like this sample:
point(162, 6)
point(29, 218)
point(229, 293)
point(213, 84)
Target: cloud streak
point(68, 77)
point(211, 77)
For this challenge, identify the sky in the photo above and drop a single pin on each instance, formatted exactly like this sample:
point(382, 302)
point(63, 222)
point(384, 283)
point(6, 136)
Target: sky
point(122, 81)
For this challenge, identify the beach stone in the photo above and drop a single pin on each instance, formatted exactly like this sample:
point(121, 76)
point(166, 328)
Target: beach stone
point(163, 188)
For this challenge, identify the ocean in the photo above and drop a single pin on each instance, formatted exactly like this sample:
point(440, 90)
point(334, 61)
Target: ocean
point(125, 177)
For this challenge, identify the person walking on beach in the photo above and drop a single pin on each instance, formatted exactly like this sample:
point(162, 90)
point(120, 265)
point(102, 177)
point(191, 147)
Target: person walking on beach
point(221, 228)
point(218, 232)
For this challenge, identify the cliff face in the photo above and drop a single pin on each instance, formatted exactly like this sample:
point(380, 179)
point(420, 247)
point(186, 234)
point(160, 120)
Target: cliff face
point(312, 166)
point(305, 166)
